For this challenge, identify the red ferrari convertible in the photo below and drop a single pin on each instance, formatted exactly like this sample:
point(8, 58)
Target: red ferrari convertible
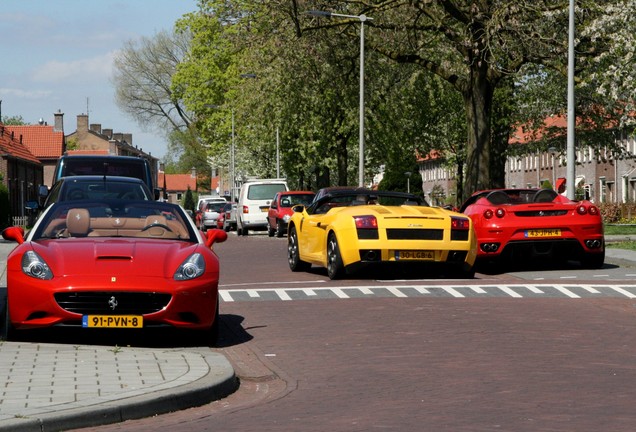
point(520, 225)
point(113, 264)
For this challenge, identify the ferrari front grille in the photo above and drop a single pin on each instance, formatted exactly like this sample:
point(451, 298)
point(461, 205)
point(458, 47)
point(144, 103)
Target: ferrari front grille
point(112, 303)
point(414, 234)
point(535, 213)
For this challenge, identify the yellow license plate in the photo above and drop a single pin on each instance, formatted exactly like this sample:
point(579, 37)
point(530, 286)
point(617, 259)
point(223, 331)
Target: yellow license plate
point(416, 255)
point(265, 209)
point(113, 321)
point(541, 233)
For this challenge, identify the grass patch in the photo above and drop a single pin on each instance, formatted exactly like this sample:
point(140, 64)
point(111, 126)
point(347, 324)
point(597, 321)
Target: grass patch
point(620, 229)
point(630, 245)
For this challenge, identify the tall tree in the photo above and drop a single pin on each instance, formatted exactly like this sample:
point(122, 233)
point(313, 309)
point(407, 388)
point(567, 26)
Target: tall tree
point(473, 45)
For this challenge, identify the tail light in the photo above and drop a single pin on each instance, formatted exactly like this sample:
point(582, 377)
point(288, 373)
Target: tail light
point(366, 222)
point(458, 223)
point(584, 209)
point(366, 227)
point(489, 213)
point(246, 209)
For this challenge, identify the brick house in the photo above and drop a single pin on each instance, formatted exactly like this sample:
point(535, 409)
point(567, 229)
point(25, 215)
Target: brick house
point(92, 139)
point(45, 142)
point(21, 171)
point(176, 185)
point(601, 178)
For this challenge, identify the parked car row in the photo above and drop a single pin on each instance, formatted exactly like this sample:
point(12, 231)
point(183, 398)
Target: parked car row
point(346, 229)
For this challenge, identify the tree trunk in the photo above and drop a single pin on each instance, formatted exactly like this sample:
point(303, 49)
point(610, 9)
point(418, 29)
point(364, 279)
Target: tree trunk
point(478, 96)
point(341, 159)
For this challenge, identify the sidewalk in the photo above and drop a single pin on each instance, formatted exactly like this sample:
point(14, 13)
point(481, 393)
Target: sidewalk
point(53, 387)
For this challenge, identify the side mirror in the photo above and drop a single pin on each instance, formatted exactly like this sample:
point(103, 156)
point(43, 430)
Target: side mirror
point(215, 236)
point(298, 208)
point(14, 233)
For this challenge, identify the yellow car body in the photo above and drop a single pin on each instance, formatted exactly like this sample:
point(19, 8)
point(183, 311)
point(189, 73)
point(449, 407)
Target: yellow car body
point(347, 229)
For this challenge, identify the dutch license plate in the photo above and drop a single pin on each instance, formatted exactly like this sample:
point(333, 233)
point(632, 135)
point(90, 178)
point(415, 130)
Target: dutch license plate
point(265, 209)
point(418, 255)
point(540, 233)
point(113, 321)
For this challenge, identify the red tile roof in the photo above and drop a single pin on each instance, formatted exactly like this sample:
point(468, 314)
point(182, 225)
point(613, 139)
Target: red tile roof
point(177, 182)
point(522, 135)
point(41, 140)
point(13, 147)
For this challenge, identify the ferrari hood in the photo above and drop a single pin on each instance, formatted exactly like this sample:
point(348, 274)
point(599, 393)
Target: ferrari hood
point(149, 258)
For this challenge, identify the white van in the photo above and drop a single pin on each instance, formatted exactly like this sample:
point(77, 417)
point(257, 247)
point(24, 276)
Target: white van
point(253, 204)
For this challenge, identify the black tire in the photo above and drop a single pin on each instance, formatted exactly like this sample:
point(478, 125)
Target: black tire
point(593, 261)
point(215, 330)
point(293, 253)
point(7, 331)
point(335, 268)
point(270, 230)
point(279, 229)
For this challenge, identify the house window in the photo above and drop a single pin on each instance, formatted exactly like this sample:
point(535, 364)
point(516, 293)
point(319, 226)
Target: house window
point(602, 190)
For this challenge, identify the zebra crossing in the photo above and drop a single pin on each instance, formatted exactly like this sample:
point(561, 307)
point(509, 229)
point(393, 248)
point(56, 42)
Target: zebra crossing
point(535, 291)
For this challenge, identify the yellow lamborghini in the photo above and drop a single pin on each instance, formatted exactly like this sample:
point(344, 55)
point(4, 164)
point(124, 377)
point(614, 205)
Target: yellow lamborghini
point(345, 229)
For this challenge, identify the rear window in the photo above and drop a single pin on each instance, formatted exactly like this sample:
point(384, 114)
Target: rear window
point(121, 168)
point(215, 207)
point(264, 191)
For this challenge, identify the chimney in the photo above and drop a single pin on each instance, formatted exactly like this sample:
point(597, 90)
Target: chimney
point(82, 126)
point(128, 138)
point(108, 133)
point(97, 128)
point(118, 136)
point(59, 121)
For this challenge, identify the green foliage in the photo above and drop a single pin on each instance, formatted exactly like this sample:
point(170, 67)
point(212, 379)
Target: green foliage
point(72, 143)
point(188, 200)
point(13, 120)
point(623, 213)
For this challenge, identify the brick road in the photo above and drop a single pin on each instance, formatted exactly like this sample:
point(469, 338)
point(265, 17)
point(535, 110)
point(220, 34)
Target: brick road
point(425, 365)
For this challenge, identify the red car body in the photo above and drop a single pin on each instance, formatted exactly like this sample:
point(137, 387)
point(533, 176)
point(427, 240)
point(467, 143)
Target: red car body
point(523, 224)
point(280, 209)
point(146, 265)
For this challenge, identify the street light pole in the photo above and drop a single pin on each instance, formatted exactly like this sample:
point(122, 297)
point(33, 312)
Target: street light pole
point(362, 19)
point(232, 173)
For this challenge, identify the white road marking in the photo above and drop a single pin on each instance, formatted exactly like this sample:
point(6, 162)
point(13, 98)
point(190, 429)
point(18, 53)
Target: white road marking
point(512, 290)
point(623, 291)
point(340, 293)
point(282, 294)
point(396, 291)
point(566, 291)
point(453, 292)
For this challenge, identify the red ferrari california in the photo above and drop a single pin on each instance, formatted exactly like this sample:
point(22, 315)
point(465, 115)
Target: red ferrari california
point(113, 264)
point(521, 225)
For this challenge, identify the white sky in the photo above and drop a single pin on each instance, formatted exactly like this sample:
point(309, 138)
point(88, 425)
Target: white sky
point(57, 55)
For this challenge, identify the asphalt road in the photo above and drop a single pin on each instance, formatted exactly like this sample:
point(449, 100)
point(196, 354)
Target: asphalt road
point(415, 363)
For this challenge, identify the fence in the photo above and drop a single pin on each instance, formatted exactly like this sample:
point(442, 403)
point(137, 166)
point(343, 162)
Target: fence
point(22, 221)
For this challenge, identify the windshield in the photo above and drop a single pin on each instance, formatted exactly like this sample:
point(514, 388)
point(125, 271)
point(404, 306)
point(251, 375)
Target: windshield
point(103, 189)
point(115, 218)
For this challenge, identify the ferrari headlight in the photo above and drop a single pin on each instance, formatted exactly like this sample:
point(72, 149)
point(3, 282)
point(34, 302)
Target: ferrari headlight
point(191, 268)
point(33, 265)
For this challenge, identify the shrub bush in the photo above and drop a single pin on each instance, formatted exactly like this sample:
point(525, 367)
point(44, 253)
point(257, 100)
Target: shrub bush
point(618, 212)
